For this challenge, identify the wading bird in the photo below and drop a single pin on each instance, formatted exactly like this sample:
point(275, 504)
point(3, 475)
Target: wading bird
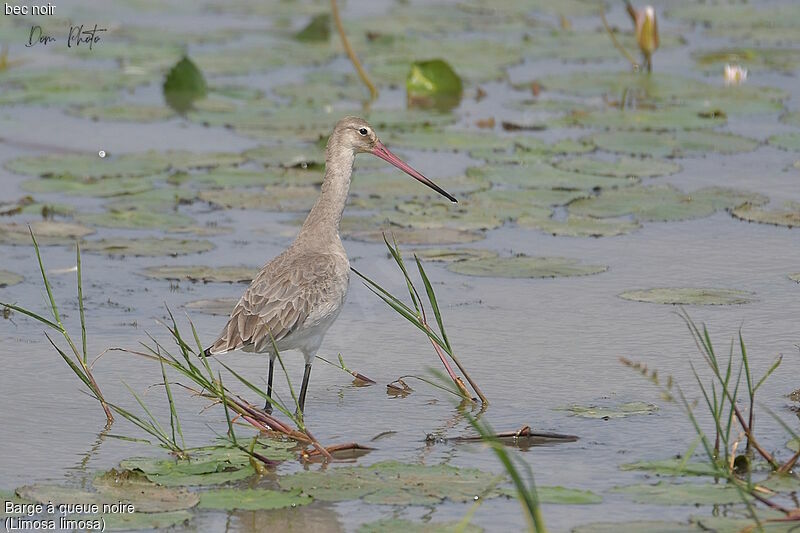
point(296, 297)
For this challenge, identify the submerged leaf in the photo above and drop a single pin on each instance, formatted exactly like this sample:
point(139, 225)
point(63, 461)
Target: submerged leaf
point(622, 410)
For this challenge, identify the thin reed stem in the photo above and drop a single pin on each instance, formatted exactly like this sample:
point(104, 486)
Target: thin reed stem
point(373, 91)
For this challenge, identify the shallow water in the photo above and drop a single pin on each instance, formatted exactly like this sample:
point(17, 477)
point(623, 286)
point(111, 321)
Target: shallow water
point(534, 345)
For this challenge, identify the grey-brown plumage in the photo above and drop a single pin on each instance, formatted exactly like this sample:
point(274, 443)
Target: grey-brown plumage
point(297, 295)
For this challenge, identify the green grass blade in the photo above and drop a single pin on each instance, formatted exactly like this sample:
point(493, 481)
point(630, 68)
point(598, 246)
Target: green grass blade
point(769, 372)
point(153, 421)
point(174, 421)
point(374, 286)
point(31, 314)
point(433, 301)
point(395, 251)
point(80, 303)
point(53, 306)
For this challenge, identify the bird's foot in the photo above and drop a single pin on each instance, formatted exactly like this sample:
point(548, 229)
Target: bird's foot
point(268, 408)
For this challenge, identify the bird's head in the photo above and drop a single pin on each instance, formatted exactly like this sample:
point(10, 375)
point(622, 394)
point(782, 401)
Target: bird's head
point(356, 134)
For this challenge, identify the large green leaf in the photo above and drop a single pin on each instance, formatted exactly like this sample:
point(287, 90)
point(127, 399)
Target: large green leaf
point(665, 493)
point(525, 267)
point(251, 499)
point(689, 296)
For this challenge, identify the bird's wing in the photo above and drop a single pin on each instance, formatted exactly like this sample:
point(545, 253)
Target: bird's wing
point(279, 300)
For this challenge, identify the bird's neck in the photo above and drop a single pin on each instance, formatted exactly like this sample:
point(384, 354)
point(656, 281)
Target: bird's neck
point(327, 212)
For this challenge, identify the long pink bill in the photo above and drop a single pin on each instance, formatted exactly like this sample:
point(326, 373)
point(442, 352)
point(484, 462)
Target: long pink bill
point(381, 151)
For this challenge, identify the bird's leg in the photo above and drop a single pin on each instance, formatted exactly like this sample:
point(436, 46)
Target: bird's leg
point(268, 406)
point(304, 388)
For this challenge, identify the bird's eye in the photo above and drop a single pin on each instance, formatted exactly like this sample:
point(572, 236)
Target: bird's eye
point(363, 131)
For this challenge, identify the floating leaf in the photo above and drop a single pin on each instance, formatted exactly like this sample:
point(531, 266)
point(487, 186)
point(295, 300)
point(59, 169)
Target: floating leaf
point(668, 118)
point(451, 255)
point(448, 140)
point(566, 496)
point(146, 246)
point(214, 307)
point(415, 236)
point(396, 525)
point(8, 496)
point(640, 526)
point(775, 59)
point(787, 141)
point(662, 202)
point(795, 277)
point(46, 231)
point(676, 144)
point(251, 499)
point(140, 521)
point(578, 226)
point(630, 167)
point(729, 524)
point(525, 267)
point(102, 188)
point(184, 85)
point(689, 296)
point(147, 497)
point(538, 174)
point(270, 198)
point(789, 216)
point(134, 219)
point(433, 83)
point(681, 494)
point(225, 274)
point(123, 112)
point(672, 467)
point(9, 278)
point(317, 30)
point(391, 482)
point(622, 410)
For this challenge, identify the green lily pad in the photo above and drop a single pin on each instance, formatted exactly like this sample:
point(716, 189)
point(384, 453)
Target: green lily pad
point(381, 190)
point(623, 410)
point(288, 155)
point(669, 118)
point(622, 167)
point(251, 499)
point(675, 144)
point(681, 494)
point(49, 210)
point(416, 214)
point(662, 202)
point(579, 226)
point(689, 296)
point(46, 231)
point(161, 199)
point(787, 141)
point(317, 30)
point(416, 236)
point(511, 204)
point(134, 487)
point(451, 255)
point(146, 246)
point(729, 524)
point(433, 83)
point(639, 526)
point(139, 521)
point(270, 198)
point(9, 278)
point(184, 85)
point(672, 467)
point(134, 219)
point(322, 87)
point(566, 496)
point(391, 482)
point(396, 525)
point(795, 277)
point(793, 445)
point(448, 140)
point(123, 112)
point(538, 174)
point(92, 187)
point(214, 307)
point(225, 274)
point(754, 59)
point(789, 216)
point(229, 178)
point(525, 267)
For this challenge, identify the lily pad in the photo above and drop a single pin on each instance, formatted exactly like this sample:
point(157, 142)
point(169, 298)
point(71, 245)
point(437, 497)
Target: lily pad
point(689, 296)
point(664, 493)
point(451, 255)
point(775, 59)
point(317, 30)
point(251, 499)
point(391, 482)
point(123, 112)
point(787, 141)
point(789, 216)
point(662, 202)
point(448, 140)
point(566, 496)
point(225, 274)
point(9, 496)
point(795, 277)
point(579, 226)
point(396, 525)
point(639, 526)
point(46, 231)
point(291, 155)
point(9, 278)
point(147, 497)
point(538, 174)
point(623, 410)
point(668, 118)
point(92, 187)
point(433, 83)
point(675, 144)
point(416, 236)
point(270, 198)
point(140, 521)
point(134, 219)
point(525, 267)
point(672, 467)
point(730, 524)
point(214, 307)
point(630, 167)
point(146, 246)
